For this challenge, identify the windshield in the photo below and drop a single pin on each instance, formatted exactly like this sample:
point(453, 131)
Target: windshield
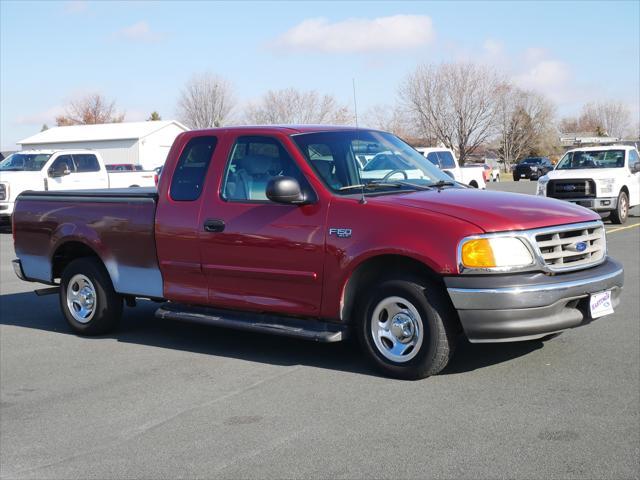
point(532, 160)
point(592, 159)
point(29, 162)
point(393, 165)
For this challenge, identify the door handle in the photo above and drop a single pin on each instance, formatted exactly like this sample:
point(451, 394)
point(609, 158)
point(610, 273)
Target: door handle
point(214, 225)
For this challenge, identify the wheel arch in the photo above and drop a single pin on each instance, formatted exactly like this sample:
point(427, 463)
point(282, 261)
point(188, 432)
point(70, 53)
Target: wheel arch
point(68, 251)
point(372, 269)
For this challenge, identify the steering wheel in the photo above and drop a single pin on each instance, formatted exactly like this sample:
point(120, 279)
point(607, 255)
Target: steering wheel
point(393, 172)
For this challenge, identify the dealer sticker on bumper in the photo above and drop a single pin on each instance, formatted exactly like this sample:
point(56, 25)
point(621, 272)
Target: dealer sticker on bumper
point(601, 304)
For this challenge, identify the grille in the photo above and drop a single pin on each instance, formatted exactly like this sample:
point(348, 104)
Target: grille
point(571, 188)
point(3, 191)
point(561, 249)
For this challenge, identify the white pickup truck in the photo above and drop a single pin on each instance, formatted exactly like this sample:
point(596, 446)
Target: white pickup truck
point(445, 160)
point(605, 179)
point(60, 170)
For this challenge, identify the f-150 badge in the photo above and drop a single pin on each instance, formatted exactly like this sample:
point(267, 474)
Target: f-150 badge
point(340, 232)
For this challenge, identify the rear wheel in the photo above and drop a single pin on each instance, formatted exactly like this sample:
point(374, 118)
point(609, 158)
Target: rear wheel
point(620, 214)
point(405, 328)
point(87, 298)
point(473, 184)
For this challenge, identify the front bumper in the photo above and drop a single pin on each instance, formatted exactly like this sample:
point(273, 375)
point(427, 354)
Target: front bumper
point(505, 308)
point(6, 208)
point(597, 204)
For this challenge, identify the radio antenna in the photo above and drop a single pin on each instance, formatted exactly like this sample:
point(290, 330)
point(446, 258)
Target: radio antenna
point(363, 199)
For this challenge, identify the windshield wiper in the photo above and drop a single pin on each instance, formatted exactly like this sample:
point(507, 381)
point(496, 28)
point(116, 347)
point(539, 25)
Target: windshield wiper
point(11, 169)
point(443, 183)
point(377, 185)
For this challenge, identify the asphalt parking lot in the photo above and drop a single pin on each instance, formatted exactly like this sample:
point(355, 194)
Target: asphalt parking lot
point(164, 399)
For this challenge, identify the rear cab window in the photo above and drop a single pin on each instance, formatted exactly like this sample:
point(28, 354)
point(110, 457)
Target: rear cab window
point(86, 162)
point(191, 169)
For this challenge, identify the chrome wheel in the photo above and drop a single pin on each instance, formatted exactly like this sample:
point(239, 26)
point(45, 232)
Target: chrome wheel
point(397, 330)
point(624, 207)
point(81, 298)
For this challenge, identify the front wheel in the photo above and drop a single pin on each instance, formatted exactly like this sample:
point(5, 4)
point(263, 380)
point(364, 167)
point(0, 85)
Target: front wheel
point(405, 327)
point(620, 214)
point(87, 298)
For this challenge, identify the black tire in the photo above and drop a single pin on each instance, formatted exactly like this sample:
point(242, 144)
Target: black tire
point(473, 184)
point(621, 213)
point(439, 327)
point(107, 304)
point(516, 179)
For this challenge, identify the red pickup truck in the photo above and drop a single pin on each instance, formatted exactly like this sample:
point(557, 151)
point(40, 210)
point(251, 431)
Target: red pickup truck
point(282, 230)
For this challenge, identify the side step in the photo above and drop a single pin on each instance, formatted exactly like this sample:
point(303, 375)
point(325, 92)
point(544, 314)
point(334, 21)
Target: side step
point(310, 329)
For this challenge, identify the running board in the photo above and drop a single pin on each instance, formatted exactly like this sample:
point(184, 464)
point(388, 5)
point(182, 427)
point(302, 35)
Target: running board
point(310, 329)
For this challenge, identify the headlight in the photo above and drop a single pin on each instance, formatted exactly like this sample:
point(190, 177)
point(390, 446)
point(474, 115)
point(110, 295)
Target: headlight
point(494, 252)
point(542, 185)
point(606, 184)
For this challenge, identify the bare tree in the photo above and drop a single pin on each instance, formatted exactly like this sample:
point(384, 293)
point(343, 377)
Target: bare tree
point(609, 118)
point(206, 101)
point(455, 102)
point(524, 122)
point(291, 106)
point(390, 118)
point(90, 109)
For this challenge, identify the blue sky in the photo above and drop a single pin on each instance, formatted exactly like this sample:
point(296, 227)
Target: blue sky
point(142, 53)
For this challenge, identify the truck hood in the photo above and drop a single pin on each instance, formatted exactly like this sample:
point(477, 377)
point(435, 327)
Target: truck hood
point(492, 211)
point(21, 181)
point(594, 173)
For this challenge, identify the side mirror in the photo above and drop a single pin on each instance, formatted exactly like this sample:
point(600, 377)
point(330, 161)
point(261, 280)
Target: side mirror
point(60, 171)
point(636, 167)
point(285, 190)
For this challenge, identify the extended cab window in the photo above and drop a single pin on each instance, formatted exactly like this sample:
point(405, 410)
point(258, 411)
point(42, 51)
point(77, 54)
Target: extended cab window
point(188, 178)
point(633, 159)
point(255, 160)
point(86, 163)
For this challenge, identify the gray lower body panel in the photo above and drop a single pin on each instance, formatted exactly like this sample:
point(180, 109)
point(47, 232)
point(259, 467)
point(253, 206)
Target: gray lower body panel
point(526, 306)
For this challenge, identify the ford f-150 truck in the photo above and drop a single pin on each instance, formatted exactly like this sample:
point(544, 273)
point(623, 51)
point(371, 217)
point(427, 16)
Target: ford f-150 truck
point(60, 170)
point(605, 179)
point(278, 229)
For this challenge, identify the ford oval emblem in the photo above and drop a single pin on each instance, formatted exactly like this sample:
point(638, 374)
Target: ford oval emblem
point(569, 188)
point(581, 246)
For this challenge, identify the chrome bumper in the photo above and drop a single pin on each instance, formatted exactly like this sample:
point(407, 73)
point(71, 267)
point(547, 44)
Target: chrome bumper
point(17, 269)
point(526, 306)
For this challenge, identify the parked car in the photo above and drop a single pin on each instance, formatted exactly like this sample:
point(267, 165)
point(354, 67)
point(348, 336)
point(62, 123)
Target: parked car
point(49, 170)
point(491, 173)
point(445, 160)
point(257, 228)
point(532, 168)
point(604, 179)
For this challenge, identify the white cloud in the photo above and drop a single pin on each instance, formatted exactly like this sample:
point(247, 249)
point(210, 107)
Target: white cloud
point(76, 6)
point(355, 35)
point(139, 32)
point(47, 116)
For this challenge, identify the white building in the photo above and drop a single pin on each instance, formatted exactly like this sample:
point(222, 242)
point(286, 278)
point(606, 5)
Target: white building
point(139, 143)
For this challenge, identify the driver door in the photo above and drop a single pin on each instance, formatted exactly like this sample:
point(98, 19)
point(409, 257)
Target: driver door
point(634, 178)
point(257, 254)
point(63, 182)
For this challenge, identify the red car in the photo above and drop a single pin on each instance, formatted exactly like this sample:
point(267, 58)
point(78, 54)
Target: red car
point(280, 230)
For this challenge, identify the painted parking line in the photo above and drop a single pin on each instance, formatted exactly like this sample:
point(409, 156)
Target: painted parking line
point(623, 228)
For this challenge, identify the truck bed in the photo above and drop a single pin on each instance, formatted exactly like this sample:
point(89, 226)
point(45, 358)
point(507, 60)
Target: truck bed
point(117, 225)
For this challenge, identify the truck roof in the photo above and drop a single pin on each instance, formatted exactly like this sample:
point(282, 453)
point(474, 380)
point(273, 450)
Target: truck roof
point(287, 129)
point(52, 151)
point(604, 147)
